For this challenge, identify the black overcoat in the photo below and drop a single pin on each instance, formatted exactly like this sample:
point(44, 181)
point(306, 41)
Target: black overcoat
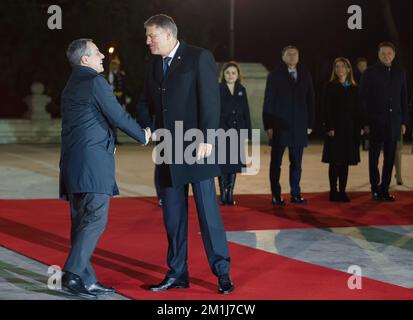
point(289, 106)
point(384, 100)
point(235, 114)
point(341, 108)
point(189, 94)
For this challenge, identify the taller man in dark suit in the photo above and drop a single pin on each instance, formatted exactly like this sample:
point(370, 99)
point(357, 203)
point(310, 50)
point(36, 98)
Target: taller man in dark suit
point(288, 116)
point(90, 113)
point(181, 84)
point(384, 96)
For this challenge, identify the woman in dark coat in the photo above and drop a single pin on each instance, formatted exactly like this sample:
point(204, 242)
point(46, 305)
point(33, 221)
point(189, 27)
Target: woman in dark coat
point(234, 114)
point(342, 120)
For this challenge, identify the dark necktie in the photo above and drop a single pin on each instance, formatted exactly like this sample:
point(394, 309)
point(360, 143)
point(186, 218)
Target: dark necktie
point(293, 75)
point(165, 66)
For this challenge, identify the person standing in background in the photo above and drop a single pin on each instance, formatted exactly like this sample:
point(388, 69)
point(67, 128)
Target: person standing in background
point(383, 91)
point(342, 120)
point(117, 80)
point(288, 116)
point(361, 66)
point(235, 114)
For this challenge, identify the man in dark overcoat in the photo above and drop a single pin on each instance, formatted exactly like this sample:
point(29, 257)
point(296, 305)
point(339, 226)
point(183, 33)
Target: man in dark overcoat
point(181, 91)
point(384, 98)
point(288, 116)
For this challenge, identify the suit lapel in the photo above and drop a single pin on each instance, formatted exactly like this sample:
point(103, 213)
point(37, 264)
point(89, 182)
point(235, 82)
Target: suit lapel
point(287, 74)
point(299, 74)
point(393, 79)
point(290, 79)
point(299, 71)
point(158, 69)
point(177, 58)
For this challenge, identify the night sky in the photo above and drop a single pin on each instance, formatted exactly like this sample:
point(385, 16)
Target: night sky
point(317, 27)
point(262, 28)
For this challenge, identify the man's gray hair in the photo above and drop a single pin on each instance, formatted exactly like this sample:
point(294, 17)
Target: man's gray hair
point(162, 21)
point(77, 49)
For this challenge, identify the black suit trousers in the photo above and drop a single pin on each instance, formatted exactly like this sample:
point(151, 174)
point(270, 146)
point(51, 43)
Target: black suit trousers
point(389, 153)
point(296, 157)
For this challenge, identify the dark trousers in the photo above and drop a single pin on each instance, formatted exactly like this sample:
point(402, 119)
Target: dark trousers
point(156, 182)
point(175, 214)
point(89, 216)
point(296, 157)
point(338, 173)
point(228, 181)
point(398, 160)
point(389, 153)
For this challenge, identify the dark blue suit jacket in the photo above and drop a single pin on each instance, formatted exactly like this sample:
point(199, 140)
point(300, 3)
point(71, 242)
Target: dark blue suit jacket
point(90, 112)
point(289, 106)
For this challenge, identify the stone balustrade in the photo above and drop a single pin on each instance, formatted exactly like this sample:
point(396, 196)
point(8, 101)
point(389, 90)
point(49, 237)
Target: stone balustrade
point(40, 128)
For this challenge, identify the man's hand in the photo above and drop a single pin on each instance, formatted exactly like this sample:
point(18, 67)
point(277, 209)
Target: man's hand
point(331, 133)
point(204, 150)
point(366, 129)
point(309, 130)
point(147, 135)
point(154, 136)
point(269, 134)
point(403, 129)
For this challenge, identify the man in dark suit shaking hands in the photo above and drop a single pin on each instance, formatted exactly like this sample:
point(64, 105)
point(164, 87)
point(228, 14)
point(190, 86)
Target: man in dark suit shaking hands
point(181, 85)
point(90, 113)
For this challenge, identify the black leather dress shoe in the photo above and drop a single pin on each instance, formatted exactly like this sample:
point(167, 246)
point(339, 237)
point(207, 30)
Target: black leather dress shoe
point(388, 197)
point(170, 283)
point(225, 284)
point(334, 196)
point(99, 289)
point(344, 197)
point(298, 199)
point(278, 201)
point(376, 196)
point(73, 284)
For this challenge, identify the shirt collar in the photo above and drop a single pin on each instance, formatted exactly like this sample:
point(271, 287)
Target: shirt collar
point(173, 52)
point(346, 84)
point(386, 67)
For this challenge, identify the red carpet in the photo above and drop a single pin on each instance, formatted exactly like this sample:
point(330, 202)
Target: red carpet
point(132, 252)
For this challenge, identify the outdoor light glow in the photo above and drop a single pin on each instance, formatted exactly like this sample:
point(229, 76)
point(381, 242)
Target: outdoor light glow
point(111, 50)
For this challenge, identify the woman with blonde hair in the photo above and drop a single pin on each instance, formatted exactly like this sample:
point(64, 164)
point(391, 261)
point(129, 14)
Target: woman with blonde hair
point(342, 121)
